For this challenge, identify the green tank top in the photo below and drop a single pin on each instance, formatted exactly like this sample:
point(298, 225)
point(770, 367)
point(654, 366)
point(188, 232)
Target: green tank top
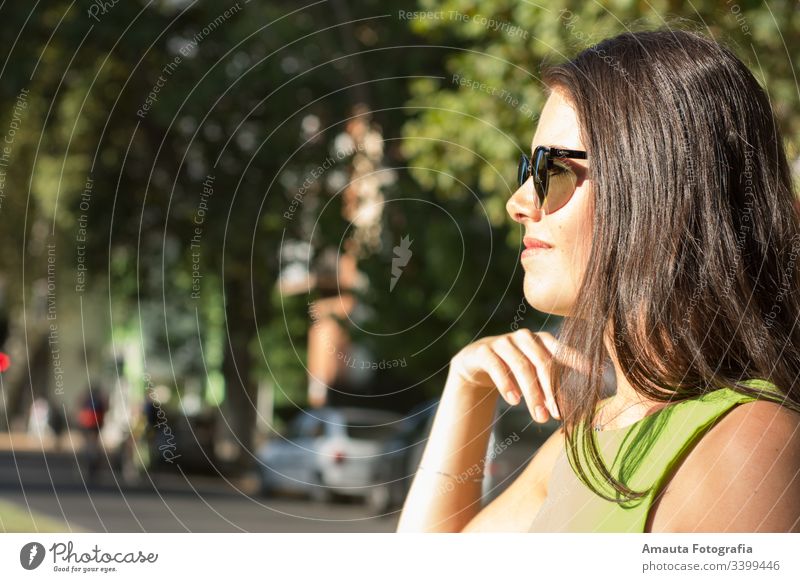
point(640, 455)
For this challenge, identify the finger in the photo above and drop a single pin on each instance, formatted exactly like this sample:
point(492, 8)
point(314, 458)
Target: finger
point(501, 374)
point(538, 353)
point(525, 375)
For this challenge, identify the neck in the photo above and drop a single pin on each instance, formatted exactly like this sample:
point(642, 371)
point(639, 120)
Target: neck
point(629, 404)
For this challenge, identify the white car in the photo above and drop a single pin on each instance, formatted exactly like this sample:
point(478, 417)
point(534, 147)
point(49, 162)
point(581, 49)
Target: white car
point(327, 451)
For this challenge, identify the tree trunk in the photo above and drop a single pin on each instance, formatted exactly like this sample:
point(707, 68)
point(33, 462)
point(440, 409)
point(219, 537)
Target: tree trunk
point(237, 365)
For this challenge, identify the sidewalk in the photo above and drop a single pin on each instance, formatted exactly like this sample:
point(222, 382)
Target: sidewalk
point(22, 441)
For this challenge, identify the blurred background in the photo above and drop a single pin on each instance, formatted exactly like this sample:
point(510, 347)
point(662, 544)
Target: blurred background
point(244, 239)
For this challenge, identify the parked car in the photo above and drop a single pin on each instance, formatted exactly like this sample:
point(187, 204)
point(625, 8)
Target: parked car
point(328, 451)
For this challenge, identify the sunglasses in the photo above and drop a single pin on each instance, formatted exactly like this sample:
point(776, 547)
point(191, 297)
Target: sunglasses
point(554, 182)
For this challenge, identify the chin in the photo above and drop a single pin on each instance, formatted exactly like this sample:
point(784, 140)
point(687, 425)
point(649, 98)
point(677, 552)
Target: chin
point(547, 299)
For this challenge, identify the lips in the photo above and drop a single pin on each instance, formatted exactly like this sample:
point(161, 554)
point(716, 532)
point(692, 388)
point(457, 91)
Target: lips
point(535, 243)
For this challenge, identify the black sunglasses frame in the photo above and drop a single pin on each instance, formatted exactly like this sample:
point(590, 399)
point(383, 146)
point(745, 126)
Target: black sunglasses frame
point(543, 155)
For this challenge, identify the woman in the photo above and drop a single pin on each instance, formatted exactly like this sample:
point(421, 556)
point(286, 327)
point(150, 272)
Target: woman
point(660, 222)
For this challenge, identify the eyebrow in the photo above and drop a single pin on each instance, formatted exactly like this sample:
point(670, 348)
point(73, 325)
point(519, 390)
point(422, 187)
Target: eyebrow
point(558, 146)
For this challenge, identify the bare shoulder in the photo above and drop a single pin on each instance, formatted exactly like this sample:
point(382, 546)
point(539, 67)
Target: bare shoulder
point(536, 475)
point(541, 466)
point(516, 507)
point(742, 476)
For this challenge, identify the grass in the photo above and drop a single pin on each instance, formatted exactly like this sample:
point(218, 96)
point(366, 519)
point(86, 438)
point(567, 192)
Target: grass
point(17, 519)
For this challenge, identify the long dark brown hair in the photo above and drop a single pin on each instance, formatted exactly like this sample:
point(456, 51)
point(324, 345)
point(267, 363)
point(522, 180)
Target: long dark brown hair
point(694, 250)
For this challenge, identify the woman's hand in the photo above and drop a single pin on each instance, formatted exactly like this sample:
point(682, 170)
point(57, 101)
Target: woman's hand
point(517, 364)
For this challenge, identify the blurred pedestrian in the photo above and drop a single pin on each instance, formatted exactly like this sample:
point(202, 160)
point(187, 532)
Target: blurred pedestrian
point(38, 418)
point(58, 423)
point(91, 416)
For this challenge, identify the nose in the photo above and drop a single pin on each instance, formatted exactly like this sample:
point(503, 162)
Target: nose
point(520, 205)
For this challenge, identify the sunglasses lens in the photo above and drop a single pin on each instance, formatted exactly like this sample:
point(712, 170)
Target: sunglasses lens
point(540, 178)
point(523, 169)
point(561, 184)
point(553, 186)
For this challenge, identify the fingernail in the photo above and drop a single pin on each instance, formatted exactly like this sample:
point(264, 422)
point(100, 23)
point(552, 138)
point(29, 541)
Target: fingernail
point(540, 412)
point(512, 397)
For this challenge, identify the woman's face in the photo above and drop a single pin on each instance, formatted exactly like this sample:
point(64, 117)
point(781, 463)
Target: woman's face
point(553, 275)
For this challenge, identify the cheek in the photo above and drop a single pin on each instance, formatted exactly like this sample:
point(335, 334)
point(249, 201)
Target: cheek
point(574, 232)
